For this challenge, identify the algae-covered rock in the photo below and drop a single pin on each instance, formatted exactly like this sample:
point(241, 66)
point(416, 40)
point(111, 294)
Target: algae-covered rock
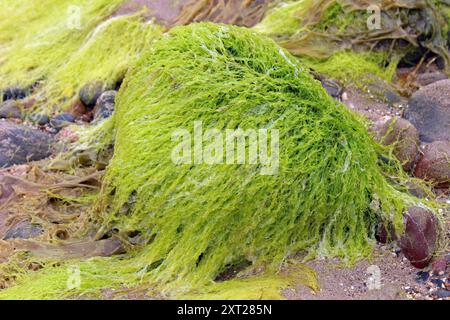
point(402, 136)
point(313, 190)
point(90, 92)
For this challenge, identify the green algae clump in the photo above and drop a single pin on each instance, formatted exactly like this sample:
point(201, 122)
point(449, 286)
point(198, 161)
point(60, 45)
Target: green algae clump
point(325, 198)
point(328, 186)
point(73, 43)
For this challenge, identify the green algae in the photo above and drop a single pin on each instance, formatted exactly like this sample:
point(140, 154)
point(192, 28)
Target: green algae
point(37, 37)
point(58, 58)
point(319, 30)
point(326, 199)
point(330, 192)
point(354, 68)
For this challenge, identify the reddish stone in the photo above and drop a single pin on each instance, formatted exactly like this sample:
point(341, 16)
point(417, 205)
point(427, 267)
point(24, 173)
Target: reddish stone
point(434, 165)
point(78, 109)
point(419, 241)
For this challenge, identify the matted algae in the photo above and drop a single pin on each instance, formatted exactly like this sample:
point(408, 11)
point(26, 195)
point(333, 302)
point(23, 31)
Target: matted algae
point(331, 186)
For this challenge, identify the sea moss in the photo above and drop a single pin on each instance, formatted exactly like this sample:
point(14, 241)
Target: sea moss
point(194, 221)
point(57, 57)
point(354, 68)
point(200, 218)
point(322, 28)
point(38, 37)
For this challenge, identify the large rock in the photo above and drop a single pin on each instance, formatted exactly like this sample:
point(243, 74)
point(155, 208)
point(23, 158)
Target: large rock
point(434, 164)
point(419, 241)
point(402, 135)
point(429, 111)
point(20, 144)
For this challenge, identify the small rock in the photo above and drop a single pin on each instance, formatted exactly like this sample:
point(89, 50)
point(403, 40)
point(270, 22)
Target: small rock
point(78, 109)
point(438, 283)
point(402, 135)
point(105, 105)
point(443, 294)
point(383, 90)
point(434, 165)
point(440, 265)
point(62, 120)
point(90, 93)
point(383, 236)
point(429, 111)
point(23, 230)
point(10, 110)
point(40, 119)
point(20, 144)
point(14, 93)
point(418, 243)
point(332, 87)
point(422, 277)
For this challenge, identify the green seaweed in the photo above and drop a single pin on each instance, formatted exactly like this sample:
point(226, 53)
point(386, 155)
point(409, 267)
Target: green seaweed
point(196, 220)
point(354, 68)
point(59, 58)
point(320, 29)
point(330, 192)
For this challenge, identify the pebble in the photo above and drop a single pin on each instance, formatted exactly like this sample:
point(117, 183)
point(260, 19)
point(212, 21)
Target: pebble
point(62, 120)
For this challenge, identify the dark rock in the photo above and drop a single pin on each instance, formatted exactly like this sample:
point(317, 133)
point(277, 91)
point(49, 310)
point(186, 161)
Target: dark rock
point(402, 135)
point(62, 120)
point(90, 93)
point(380, 89)
point(383, 236)
point(434, 165)
point(429, 111)
point(40, 119)
point(418, 243)
point(442, 294)
point(417, 190)
point(105, 105)
point(332, 87)
point(412, 58)
point(20, 144)
point(14, 93)
point(425, 79)
point(10, 110)
point(23, 230)
point(438, 283)
point(422, 277)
